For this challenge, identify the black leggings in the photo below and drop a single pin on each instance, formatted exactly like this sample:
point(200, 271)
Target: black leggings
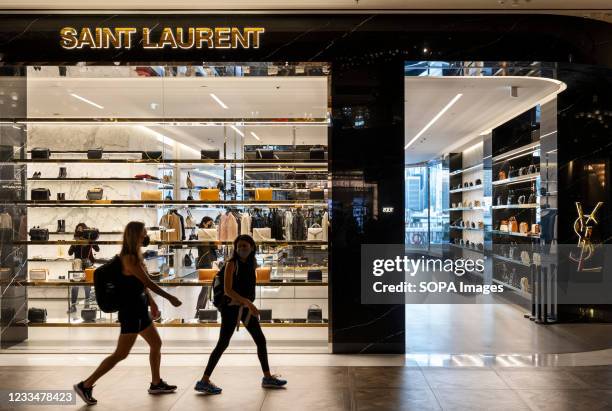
point(229, 318)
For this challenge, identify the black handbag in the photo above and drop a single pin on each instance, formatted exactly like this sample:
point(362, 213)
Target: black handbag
point(315, 275)
point(152, 155)
point(90, 233)
point(37, 315)
point(511, 198)
point(314, 314)
point(94, 194)
point(39, 234)
point(207, 315)
point(94, 153)
point(265, 154)
point(188, 260)
point(316, 195)
point(209, 154)
point(317, 153)
point(89, 314)
point(40, 153)
point(265, 315)
point(40, 194)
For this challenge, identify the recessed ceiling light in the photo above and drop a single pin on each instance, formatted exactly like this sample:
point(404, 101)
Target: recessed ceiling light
point(433, 120)
point(83, 99)
point(218, 100)
point(255, 135)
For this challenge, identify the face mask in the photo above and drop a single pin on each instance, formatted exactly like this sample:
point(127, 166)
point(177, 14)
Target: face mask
point(244, 253)
point(146, 241)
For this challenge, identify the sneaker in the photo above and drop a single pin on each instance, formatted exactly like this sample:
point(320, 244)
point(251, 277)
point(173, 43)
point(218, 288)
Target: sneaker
point(207, 387)
point(161, 388)
point(72, 309)
point(273, 382)
point(85, 393)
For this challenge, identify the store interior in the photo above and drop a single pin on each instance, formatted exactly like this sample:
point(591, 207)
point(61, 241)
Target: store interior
point(242, 148)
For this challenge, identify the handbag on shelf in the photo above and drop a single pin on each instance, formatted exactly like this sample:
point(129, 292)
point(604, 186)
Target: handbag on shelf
point(77, 264)
point(316, 194)
point(38, 274)
point(205, 315)
point(152, 155)
point(535, 228)
point(37, 315)
point(501, 175)
point(265, 315)
point(314, 314)
point(511, 197)
point(533, 169)
point(264, 154)
point(263, 194)
point(95, 193)
point(532, 198)
point(39, 234)
point(524, 284)
point(315, 275)
point(525, 257)
point(94, 153)
point(208, 234)
point(89, 274)
point(188, 259)
point(209, 194)
point(89, 314)
point(317, 153)
point(209, 154)
point(90, 233)
point(503, 225)
point(189, 223)
point(524, 228)
point(151, 195)
point(521, 199)
point(189, 181)
point(263, 274)
point(262, 234)
point(76, 275)
point(207, 274)
point(41, 153)
point(40, 194)
point(513, 225)
point(315, 233)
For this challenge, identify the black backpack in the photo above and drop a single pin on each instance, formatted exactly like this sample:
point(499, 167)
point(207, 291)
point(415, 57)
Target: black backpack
point(219, 299)
point(107, 283)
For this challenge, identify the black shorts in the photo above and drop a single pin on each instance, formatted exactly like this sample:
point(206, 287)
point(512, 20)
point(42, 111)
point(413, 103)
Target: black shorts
point(134, 317)
point(134, 325)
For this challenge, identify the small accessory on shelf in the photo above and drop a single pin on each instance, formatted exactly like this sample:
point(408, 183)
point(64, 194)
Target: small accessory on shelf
point(315, 275)
point(262, 234)
point(500, 200)
point(208, 234)
point(188, 259)
point(465, 185)
point(478, 182)
point(209, 154)
point(189, 196)
point(38, 274)
point(40, 194)
point(152, 155)
point(314, 314)
point(535, 228)
point(503, 225)
point(511, 198)
point(512, 172)
point(63, 172)
point(94, 153)
point(263, 194)
point(61, 196)
point(89, 314)
point(524, 228)
point(532, 198)
point(90, 233)
point(39, 234)
point(207, 315)
point(533, 169)
point(151, 195)
point(209, 194)
point(36, 175)
point(471, 184)
point(207, 274)
point(525, 257)
point(513, 225)
point(501, 175)
point(189, 182)
point(37, 315)
point(521, 199)
point(317, 153)
point(76, 275)
point(95, 194)
point(317, 194)
point(167, 178)
point(522, 171)
point(41, 153)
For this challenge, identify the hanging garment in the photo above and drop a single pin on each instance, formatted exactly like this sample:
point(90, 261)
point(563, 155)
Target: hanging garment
point(325, 225)
point(276, 218)
point(173, 222)
point(182, 220)
point(298, 228)
point(228, 227)
point(287, 224)
point(245, 223)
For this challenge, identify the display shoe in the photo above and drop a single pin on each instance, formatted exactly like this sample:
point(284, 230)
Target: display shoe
point(63, 226)
point(59, 226)
point(63, 173)
point(36, 174)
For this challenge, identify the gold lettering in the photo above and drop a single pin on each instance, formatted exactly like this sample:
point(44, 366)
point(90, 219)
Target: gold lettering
point(167, 38)
point(146, 43)
point(222, 38)
point(86, 39)
point(181, 41)
point(203, 34)
point(108, 38)
point(125, 35)
point(256, 31)
point(238, 37)
point(68, 38)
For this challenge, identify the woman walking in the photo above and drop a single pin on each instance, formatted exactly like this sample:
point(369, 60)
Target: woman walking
point(134, 317)
point(239, 290)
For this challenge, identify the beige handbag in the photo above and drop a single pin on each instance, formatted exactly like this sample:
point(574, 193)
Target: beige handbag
point(208, 234)
point(525, 257)
point(207, 274)
point(38, 274)
point(263, 274)
point(315, 233)
point(262, 234)
point(503, 226)
point(524, 228)
point(151, 195)
point(190, 184)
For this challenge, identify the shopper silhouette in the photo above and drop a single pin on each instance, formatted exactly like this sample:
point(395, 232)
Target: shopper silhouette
point(86, 255)
point(134, 317)
point(239, 293)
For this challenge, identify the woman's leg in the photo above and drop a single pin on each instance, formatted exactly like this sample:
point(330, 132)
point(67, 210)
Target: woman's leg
point(202, 298)
point(254, 328)
point(151, 336)
point(229, 316)
point(124, 345)
point(74, 295)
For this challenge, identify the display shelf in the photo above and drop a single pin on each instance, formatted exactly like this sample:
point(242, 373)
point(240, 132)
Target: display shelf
point(467, 248)
point(466, 169)
point(62, 260)
point(465, 209)
point(513, 288)
point(518, 179)
point(464, 189)
point(72, 233)
point(524, 150)
point(178, 162)
point(166, 203)
point(510, 233)
point(190, 323)
point(118, 179)
point(171, 243)
point(511, 260)
point(452, 227)
point(171, 283)
point(512, 206)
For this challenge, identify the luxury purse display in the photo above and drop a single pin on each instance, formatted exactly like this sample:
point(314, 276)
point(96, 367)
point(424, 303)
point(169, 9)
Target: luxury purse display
point(207, 274)
point(524, 284)
point(205, 315)
point(41, 153)
point(533, 169)
point(264, 154)
point(314, 314)
point(315, 233)
point(513, 225)
point(503, 225)
point(263, 274)
point(511, 197)
point(189, 181)
point(317, 153)
point(262, 234)
point(37, 315)
point(512, 172)
point(209, 154)
point(532, 197)
point(39, 234)
point(209, 194)
point(38, 274)
point(89, 274)
point(478, 182)
point(535, 228)
point(521, 199)
point(525, 257)
point(188, 259)
point(94, 153)
point(317, 194)
point(76, 275)
point(501, 175)
point(152, 155)
point(89, 314)
point(500, 200)
point(151, 195)
point(263, 194)
point(315, 275)
point(208, 234)
point(95, 194)
point(523, 228)
point(265, 315)
point(90, 233)
point(40, 194)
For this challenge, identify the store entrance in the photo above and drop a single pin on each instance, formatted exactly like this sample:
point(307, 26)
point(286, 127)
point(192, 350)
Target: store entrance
point(200, 154)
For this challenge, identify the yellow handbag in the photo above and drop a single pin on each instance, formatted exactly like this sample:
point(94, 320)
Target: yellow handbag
point(263, 194)
point(263, 274)
point(89, 274)
point(209, 194)
point(151, 195)
point(207, 274)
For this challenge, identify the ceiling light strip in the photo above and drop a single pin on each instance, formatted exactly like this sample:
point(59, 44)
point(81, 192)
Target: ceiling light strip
point(433, 120)
point(218, 100)
point(255, 136)
point(83, 99)
point(237, 130)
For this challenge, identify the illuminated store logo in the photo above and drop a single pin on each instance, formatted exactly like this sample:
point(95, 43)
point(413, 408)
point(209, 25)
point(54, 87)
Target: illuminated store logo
point(174, 38)
point(583, 227)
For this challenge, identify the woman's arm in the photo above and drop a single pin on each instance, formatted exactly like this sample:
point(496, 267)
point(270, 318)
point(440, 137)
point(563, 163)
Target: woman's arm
point(71, 250)
point(228, 283)
point(138, 270)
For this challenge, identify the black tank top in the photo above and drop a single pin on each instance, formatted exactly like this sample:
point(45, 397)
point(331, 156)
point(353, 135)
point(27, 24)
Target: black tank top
point(130, 288)
point(244, 280)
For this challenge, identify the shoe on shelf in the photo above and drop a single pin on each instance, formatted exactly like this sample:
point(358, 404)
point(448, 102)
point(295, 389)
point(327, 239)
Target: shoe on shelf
point(85, 393)
point(273, 382)
point(207, 387)
point(161, 388)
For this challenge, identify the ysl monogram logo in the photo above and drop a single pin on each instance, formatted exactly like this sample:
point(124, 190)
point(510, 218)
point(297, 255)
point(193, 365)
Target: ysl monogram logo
point(583, 227)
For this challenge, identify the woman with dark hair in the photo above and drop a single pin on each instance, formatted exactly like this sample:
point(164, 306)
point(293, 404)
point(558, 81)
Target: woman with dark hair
point(134, 317)
point(86, 255)
point(207, 255)
point(239, 290)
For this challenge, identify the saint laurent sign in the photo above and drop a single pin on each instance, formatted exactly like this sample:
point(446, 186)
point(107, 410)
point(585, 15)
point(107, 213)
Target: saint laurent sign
point(168, 37)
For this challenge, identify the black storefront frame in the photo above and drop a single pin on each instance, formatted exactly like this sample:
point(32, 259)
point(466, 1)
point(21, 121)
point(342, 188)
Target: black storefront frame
point(367, 54)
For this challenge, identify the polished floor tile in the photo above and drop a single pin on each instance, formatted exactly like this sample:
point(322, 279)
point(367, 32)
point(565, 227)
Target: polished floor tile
point(479, 400)
point(567, 400)
point(594, 377)
point(521, 379)
point(464, 379)
point(388, 399)
point(306, 399)
point(388, 377)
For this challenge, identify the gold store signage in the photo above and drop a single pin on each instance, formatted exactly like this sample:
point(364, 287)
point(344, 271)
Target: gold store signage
point(168, 37)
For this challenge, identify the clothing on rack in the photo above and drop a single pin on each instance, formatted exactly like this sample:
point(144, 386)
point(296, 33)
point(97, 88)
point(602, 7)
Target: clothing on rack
point(287, 224)
point(228, 227)
point(298, 227)
point(245, 223)
point(325, 225)
point(171, 221)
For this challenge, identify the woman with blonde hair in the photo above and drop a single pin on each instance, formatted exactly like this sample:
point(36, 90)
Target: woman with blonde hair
point(135, 300)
